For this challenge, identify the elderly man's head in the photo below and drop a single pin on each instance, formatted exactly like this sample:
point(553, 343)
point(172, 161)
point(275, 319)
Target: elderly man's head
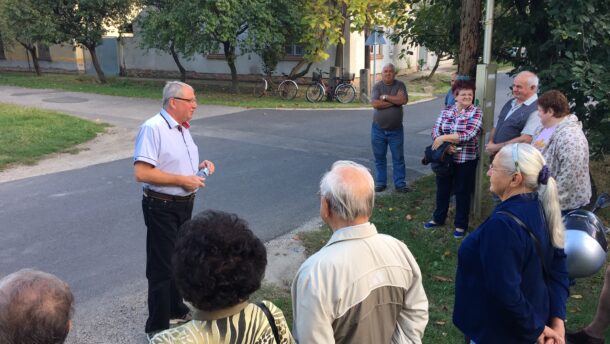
point(347, 192)
point(525, 85)
point(388, 74)
point(35, 307)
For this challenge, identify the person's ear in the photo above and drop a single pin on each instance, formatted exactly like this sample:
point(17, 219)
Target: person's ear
point(517, 179)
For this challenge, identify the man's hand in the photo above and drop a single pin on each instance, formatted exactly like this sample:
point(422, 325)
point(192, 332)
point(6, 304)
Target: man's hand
point(493, 148)
point(209, 165)
point(192, 183)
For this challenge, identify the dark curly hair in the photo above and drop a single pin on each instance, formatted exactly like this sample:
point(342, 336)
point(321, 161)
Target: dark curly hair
point(556, 101)
point(218, 262)
point(460, 85)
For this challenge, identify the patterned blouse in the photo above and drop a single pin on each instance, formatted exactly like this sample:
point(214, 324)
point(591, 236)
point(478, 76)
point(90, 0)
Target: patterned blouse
point(250, 326)
point(467, 124)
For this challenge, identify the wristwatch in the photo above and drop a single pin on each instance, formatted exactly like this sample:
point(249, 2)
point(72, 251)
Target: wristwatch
point(384, 97)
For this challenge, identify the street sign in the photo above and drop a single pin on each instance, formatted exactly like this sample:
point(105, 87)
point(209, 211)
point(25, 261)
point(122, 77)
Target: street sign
point(376, 39)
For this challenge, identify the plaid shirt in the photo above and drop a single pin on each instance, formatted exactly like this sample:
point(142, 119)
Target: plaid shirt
point(467, 124)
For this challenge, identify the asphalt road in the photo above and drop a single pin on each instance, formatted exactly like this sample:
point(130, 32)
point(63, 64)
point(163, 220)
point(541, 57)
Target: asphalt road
point(86, 225)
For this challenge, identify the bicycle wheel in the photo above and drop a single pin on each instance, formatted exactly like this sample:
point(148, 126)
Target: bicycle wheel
point(345, 93)
point(288, 89)
point(260, 88)
point(315, 93)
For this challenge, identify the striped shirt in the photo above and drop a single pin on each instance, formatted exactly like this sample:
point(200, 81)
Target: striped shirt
point(467, 124)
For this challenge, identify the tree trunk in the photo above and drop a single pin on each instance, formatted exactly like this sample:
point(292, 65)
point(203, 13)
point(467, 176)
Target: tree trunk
point(438, 61)
point(294, 72)
point(469, 37)
point(339, 50)
point(32, 50)
point(177, 60)
point(367, 50)
point(230, 57)
point(98, 69)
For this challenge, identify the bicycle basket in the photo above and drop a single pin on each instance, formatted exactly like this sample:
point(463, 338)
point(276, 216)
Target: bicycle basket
point(315, 77)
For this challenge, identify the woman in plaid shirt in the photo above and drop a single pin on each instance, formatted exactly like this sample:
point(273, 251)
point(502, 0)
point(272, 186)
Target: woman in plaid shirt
point(459, 124)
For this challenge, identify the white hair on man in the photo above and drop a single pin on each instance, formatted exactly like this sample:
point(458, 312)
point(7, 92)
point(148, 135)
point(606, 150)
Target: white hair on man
point(532, 79)
point(173, 89)
point(350, 190)
point(391, 65)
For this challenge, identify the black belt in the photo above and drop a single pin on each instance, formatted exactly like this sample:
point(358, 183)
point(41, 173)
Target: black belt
point(166, 197)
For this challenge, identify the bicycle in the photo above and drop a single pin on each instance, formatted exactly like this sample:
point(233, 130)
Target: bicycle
point(343, 92)
point(286, 90)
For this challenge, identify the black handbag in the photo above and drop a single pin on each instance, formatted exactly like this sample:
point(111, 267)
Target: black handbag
point(440, 160)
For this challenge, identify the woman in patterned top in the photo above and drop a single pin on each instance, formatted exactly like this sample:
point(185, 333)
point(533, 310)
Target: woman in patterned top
point(459, 124)
point(219, 263)
point(564, 146)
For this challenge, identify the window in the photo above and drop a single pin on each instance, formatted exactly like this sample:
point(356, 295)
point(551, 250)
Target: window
point(378, 52)
point(293, 52)
point(43, 52)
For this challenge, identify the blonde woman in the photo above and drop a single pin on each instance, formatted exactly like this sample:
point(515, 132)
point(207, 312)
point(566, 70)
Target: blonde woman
point(511, 282)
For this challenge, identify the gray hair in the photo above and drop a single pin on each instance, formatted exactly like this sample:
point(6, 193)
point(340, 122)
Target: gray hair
point(35, 307)
point(349, 189)
point(173, 89)
point(530, 162)
point(390, 65)
point(532, 79)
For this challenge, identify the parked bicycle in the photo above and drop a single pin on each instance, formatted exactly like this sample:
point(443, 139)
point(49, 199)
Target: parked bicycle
point(343, 92)
point(287, 89)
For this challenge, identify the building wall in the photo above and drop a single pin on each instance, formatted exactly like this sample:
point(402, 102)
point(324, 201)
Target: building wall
point(63, 58)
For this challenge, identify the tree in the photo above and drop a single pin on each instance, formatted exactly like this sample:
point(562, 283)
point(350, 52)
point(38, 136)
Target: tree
point(568, 44)
point(431, 24)
point(86, 21)
point(470, 37)
point(161, 28)
point(28, 23)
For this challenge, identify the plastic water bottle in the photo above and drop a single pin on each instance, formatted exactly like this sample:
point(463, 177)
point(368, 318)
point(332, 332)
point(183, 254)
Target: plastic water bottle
point(204, 172)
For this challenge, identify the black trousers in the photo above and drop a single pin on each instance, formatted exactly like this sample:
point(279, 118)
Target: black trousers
point(462, 184)
point(163, 219)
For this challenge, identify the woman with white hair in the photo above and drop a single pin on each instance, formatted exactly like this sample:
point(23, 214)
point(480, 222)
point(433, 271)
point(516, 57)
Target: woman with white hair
point(511, 282)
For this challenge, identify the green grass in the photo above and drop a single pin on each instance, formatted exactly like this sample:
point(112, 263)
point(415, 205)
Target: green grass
point(439, 84)
point(402, 216)
point(208, 92)
point(30, 134)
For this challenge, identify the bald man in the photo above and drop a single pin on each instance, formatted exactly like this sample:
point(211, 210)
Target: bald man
point(518, 119)
point(35, 307)
point(362, 287)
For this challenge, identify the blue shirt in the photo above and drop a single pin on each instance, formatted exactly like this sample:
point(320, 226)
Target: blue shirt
point(165, 144)
point(449, 98)
point(500, 292)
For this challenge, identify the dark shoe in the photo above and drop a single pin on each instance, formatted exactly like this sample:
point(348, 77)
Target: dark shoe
point(581, 337)
point(403, 189)
point(380, 188)
point(430, 225)
point(459, 233)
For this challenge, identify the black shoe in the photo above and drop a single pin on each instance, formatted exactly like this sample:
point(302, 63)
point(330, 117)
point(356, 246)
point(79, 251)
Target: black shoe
point(403, 189)
point(380, 188)
point(581, 337)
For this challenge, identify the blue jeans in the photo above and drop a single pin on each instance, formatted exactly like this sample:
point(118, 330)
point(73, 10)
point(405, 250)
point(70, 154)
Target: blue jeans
point(380, 140)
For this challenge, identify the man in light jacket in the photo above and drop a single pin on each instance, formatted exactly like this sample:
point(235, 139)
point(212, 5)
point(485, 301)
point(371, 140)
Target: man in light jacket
point(362, 287)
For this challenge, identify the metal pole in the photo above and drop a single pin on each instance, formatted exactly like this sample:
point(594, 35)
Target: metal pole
point(374, 55)
point(489, 22)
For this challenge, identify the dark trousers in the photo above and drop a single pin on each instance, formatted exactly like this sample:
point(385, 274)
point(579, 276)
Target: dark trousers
point(163, 219)
point(462, 183)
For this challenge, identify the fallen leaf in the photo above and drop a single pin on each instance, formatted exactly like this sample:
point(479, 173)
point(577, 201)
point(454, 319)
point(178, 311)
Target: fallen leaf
point(576, 296)
point(441, 278)
point(439, 322)
point(296, 237)
point(446, 253)
point(390, 209)
point(409, 217)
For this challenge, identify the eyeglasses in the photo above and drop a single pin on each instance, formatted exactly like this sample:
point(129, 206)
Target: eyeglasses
point(191, 101)
point(492, 168)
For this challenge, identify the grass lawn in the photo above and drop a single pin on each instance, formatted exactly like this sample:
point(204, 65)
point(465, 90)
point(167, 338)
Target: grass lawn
point(402, 216)
point(29, 134)
point(439, 84)
point(217, 93)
